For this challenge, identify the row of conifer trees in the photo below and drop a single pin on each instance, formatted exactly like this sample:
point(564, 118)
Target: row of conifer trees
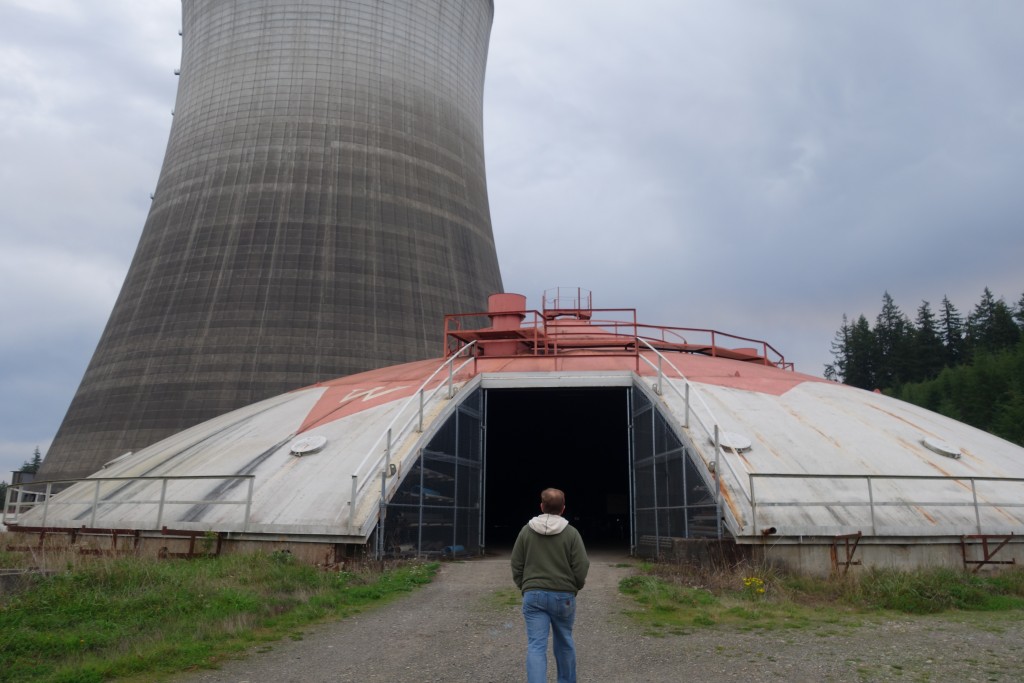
point(970, 368)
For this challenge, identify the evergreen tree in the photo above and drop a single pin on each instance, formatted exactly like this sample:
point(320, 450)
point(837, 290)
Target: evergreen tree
point(990, 326)
point(32, 466)
point(928, 351)
point(951, 330)
point(861, 356)
point(836, 371)
point(1018, 314)
point(893, 344)
point(1005, 333)
point(983, 381)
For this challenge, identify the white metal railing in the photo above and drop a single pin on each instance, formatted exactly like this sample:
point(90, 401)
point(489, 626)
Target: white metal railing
point(711, 426)
point(24, 497)
point(380, 460)
point(871, 498)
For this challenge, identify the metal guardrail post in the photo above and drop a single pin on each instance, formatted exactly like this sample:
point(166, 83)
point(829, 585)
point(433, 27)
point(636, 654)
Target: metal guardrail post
point(977, 512)
point(661, 377)
point(382, 514)
point(46, 502)
point(352, 504)
point(419, 425)
point(387, 451)
point(686, 420)
point(871, 506)
point(95, 504)
point(248, 504)
point(753, 503)
point(718, 483)
point(718, 475)
point(160, 509)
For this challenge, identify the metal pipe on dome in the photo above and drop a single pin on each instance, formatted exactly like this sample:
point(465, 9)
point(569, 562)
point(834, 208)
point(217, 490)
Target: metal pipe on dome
point(507, 312)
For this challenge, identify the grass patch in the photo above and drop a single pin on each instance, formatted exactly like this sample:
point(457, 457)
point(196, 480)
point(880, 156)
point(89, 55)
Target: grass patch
point(110, 618)
point(931, 591)
point(672, 598)
point(504, 598)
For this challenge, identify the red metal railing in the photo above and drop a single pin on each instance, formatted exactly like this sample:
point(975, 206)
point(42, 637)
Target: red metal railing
point(559, 330)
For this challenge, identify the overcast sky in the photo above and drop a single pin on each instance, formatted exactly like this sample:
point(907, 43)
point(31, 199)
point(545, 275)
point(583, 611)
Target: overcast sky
point(760, 168)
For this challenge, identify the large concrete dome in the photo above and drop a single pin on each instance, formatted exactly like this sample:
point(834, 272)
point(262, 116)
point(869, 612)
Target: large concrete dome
point(659, 435)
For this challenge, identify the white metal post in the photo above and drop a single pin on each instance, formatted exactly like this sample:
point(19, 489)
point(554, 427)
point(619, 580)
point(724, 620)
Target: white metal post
point(718, 457)
point(95, 503)
point(419, 426)
point(248, 504)
point(163, 498)
point(46, 502)
point(661, 378)
point(977, 513)
point(381, 515)
point(352, 504)
point(686, 420)
point(753, 502)
point(871, 505)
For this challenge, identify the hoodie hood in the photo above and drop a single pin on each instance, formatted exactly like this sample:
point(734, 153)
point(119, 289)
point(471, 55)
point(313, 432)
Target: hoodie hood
point(548, 525)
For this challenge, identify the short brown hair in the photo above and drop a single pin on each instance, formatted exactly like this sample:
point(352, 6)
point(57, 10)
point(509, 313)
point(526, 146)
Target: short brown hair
point(552, 501)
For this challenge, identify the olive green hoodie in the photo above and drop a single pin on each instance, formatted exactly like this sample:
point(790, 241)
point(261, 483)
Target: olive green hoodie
point(549, 555)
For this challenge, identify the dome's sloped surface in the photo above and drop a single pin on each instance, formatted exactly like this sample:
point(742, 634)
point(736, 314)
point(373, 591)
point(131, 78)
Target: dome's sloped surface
point(828, 459)
point(206, 470)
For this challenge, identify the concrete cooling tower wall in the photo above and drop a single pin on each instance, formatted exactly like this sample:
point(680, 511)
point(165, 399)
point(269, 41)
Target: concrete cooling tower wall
point(322, 204)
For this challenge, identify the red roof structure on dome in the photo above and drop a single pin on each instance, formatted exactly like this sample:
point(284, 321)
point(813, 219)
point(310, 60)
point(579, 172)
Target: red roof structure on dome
point(567, 334)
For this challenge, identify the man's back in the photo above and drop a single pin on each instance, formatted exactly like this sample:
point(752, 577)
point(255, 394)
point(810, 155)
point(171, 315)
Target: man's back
point(549, 555)
point(549, 565)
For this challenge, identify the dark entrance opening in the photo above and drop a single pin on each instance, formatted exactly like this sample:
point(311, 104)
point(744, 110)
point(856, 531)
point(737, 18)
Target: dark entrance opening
point(573, 439)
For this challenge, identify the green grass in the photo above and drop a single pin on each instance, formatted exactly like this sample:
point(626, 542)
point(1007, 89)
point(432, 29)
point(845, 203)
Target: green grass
point(132, 617)
point(677, 599)
point(504, 598)
point(939, 590)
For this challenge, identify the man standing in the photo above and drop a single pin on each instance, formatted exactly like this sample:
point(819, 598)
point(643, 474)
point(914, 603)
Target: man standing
point(549, 565)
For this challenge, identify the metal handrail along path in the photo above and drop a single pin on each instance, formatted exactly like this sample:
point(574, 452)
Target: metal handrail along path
point(711, 428)
point(364, 473)
point(869, 497)
point(95, 501)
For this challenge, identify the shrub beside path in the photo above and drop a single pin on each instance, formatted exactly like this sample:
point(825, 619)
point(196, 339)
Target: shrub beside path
point(466, 626)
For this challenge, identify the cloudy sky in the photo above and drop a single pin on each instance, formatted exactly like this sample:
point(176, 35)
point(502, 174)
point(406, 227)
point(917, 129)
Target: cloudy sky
point(760, 168)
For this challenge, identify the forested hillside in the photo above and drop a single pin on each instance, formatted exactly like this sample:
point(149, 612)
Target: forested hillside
point(969, 368)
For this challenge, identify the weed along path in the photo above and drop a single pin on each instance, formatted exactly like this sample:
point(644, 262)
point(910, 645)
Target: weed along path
point(466, 626)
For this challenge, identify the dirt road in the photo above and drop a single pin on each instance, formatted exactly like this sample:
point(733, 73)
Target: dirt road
point(466, 626)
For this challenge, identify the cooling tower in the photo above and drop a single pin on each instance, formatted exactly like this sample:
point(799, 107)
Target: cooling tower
point(322, 204)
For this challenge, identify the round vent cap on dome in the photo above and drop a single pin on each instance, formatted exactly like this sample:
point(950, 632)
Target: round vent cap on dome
point(941, 447)
point(733, 440)
point(308, 444)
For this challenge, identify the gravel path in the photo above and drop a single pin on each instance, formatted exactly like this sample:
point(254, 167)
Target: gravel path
point(464, 627)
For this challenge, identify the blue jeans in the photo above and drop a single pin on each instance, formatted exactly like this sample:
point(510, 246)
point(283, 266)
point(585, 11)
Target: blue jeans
point(544, 610)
